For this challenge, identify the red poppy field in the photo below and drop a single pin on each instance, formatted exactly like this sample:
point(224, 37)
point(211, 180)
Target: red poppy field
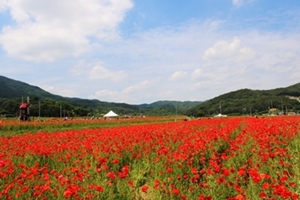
point(224, 158)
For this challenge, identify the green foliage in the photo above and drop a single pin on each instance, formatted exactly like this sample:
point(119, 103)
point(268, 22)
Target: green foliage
point(49, 105)
point(241, 102)
point(254, 102)
point(166, 107)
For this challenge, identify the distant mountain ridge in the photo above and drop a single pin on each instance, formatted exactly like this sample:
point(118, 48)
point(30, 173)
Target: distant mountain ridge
point(11, 92)
point(250, 102)
point(10, 88)
point(240, 102)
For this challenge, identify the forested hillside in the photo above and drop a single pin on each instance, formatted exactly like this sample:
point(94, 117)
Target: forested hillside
point(254, 102)
point(240, 102)
point(46, 104)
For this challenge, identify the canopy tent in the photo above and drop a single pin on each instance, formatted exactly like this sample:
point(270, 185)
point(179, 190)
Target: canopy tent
point(220, 115)
point(111, 114)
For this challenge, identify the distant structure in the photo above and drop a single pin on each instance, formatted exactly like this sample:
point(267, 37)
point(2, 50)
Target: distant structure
point(111, 115)
point(220, 115)
point(24, 111)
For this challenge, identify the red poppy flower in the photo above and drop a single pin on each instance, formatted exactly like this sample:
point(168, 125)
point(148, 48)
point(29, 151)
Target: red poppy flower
point(144, 188)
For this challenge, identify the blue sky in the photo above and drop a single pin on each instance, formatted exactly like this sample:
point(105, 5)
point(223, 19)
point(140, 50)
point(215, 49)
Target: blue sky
point(144, 51)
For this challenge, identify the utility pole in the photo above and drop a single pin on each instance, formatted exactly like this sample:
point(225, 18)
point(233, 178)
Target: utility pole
point(271, 104)
point(176, 112)
point(60, 111)
point(28, 110)
point(39, 109)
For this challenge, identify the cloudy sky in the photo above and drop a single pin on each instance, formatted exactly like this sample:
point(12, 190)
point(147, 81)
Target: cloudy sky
point(148, 50)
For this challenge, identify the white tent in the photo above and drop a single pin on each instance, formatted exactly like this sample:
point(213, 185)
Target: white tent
point(220, 115)
point(111, 114)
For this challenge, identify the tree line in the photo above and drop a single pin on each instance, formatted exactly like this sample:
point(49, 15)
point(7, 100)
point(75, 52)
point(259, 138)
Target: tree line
point(42, 107)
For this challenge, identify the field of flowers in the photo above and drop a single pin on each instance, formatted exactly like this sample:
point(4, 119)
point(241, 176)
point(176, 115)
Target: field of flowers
point(14, 127)
point(222, 158)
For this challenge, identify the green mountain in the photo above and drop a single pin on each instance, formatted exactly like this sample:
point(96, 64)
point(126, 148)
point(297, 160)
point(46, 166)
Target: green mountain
point(172, 107)
point(10, 88)
point(240, 102)
point(254, 102)
point(46, 104)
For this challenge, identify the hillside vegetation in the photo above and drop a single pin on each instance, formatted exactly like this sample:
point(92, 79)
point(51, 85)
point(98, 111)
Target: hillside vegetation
point(49, 105)
point(240, 102)
point(251, 102)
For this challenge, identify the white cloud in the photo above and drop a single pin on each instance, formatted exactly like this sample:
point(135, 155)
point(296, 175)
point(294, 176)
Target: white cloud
point(241, 2)
point(201, 85)
point(60, 90)
point(81, 68)
point(3, 4)
point(49, 30)
point(39, 43)
point(219, 61)
point(213, 25)
point(99, 72)
point(178, 75)
point(197, 73)
point(167, 95)
point(283, 62)
point(133, 93)
point(296, 76)
point(107, 95)
point(237, 2)
point(142, 86)
point(223, 62)
point(94, 70)
point(226, 50)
